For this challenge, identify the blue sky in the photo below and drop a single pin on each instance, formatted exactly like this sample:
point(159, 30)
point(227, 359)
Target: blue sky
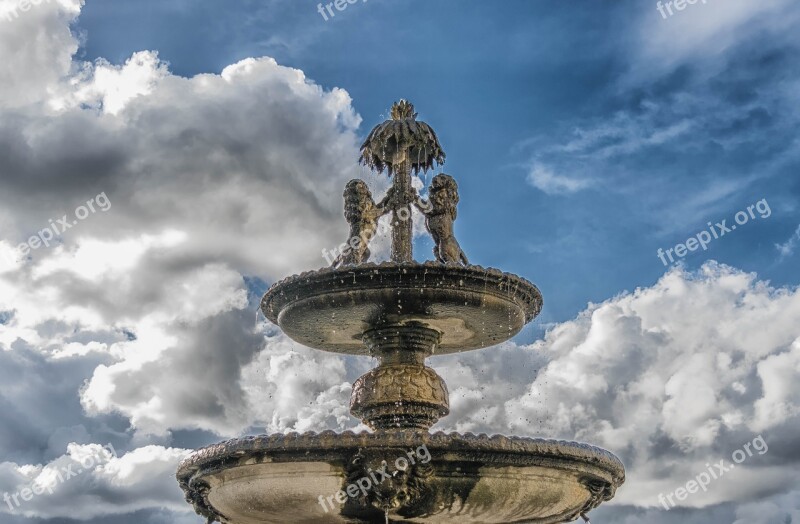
point(505, 84)
point(584, 135)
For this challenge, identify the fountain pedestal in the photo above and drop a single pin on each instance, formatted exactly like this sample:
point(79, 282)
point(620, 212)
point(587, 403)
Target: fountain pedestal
point(402, 392)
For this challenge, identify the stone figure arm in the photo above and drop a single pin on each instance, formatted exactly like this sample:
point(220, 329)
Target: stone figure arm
point(424, 206)
point(385, 205)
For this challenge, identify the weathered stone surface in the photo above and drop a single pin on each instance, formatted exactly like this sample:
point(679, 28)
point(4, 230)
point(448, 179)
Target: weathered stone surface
point(468, 478)
point(471, 307)
point(400, 396)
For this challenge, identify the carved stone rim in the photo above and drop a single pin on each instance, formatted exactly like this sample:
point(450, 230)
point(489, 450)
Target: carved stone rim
point(451, 443)
point(275, 298)
point(328, 445)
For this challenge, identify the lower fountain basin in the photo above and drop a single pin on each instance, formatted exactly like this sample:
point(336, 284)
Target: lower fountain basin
point(471, 307)
point(411, 475)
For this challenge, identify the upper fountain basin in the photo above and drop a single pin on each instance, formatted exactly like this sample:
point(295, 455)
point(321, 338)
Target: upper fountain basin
point(471, 307)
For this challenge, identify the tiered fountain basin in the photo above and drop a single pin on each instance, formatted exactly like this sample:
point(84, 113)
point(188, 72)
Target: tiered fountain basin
point(468, 479)
point(400, 313)
point(471, 307)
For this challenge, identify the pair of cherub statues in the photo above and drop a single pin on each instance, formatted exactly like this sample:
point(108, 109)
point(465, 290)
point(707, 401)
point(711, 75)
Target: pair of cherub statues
point(362, 213)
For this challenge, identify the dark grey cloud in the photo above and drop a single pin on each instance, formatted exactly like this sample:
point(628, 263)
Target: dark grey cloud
point(40, 406)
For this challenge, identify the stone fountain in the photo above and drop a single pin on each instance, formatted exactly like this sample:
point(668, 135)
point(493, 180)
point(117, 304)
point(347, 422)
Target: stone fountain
point(400, 312)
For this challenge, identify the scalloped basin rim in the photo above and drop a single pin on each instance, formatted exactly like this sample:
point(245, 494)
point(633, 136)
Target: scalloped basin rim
point(476, 478)
point(291, 442)
point(471, 306)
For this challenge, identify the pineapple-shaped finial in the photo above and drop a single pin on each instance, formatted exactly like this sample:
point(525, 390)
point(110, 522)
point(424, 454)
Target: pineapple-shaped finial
point(403, 109)
point(400, 139)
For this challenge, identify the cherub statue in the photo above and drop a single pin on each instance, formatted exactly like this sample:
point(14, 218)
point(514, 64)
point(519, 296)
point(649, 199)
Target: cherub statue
point(440, 213)
point(362, 214)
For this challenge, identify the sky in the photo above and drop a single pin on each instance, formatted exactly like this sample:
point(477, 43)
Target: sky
point(162, 163)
